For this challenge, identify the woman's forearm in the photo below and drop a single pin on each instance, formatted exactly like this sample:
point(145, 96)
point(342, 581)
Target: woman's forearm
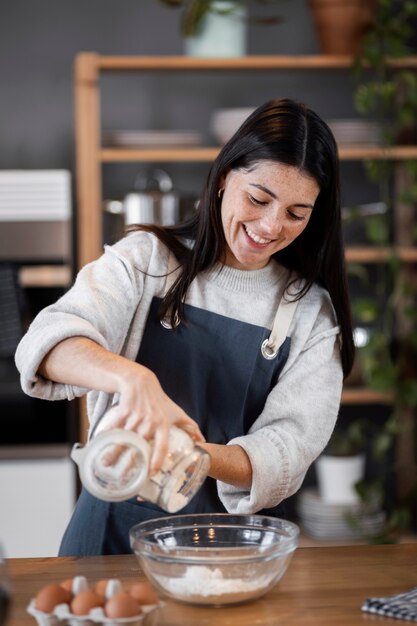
point(82, 362)
point(230, 464)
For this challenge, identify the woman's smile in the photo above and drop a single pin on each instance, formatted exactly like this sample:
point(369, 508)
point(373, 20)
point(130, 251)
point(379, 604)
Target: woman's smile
point(264, 209)
point(256, 239)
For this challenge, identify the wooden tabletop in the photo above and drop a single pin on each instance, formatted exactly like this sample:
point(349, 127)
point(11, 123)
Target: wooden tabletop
point(323, 586)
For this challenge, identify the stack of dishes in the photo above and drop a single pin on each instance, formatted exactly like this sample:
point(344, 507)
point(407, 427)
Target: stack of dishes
point(331, 522)
point(151, 138)
point(354, 131)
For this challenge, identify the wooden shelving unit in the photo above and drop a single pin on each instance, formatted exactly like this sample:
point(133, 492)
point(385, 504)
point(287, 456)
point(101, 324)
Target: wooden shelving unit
point(91, 155)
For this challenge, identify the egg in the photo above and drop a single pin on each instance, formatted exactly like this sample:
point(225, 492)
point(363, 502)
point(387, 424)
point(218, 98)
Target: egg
point(50, 596)
point(122, 604)
point(84, 601)
point(144, 593)
point(100, 586)
point(67, 584)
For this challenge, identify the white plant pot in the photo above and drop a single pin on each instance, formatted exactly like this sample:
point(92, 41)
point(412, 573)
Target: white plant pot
point(336, 477)
point(221, 35)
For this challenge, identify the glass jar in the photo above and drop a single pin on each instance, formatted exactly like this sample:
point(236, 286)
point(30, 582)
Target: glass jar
point(114, 466)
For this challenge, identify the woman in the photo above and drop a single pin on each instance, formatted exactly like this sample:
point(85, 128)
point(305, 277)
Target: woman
point(173, 325)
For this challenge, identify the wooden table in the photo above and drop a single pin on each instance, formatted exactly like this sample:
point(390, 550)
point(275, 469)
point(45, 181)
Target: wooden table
point(323, 586)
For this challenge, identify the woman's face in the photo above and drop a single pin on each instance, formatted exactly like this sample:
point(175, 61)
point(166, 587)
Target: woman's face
point(263, 210)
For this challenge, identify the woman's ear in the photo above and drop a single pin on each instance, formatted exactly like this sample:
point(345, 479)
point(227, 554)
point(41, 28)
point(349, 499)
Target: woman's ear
point(220, 188)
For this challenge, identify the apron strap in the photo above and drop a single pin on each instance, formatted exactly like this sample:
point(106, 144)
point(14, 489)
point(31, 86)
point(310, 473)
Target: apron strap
point(171, 277)
point(283, 318)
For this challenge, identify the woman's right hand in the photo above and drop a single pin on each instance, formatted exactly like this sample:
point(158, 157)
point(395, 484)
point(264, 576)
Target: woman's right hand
point(146, 409)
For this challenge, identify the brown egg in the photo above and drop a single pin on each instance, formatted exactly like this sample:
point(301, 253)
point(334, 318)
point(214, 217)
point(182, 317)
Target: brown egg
point(67, 584)
point(100, 586)
point(50, 596)
point(122, 604)
point(144, 593)
point(84, 601)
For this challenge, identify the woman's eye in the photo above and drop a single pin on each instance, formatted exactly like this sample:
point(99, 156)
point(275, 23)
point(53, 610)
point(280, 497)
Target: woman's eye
point(256, 201)
point(295, 217)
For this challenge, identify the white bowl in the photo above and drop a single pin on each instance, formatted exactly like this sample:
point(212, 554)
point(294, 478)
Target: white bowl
point(225, 122)
point(214, 559)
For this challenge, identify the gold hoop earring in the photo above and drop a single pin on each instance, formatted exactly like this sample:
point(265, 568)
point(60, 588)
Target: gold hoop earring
point(219, 193)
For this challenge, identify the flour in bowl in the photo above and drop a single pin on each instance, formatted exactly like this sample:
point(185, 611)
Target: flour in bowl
point(206, 585)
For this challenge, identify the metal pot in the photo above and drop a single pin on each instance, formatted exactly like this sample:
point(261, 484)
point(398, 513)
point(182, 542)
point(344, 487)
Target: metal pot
point(152, 200)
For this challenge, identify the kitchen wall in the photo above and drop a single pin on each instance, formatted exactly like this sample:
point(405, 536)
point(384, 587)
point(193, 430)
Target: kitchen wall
point(38, 43)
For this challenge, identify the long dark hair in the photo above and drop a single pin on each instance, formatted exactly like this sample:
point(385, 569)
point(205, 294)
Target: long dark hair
point(287, 132)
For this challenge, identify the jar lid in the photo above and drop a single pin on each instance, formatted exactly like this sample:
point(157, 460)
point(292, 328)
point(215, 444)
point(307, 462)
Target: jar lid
point(113, 465)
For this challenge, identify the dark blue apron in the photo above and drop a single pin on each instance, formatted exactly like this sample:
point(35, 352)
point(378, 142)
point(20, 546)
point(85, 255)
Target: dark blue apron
point(212, 366)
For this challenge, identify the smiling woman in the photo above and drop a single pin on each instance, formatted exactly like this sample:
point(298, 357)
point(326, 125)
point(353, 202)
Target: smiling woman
point(234, 326)
point(263, 210)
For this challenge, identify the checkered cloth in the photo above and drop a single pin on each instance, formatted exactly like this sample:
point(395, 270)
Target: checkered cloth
point(400, 606)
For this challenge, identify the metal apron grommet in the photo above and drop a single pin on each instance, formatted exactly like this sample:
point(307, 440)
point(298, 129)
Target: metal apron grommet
point(267, 351)
point(166, 324)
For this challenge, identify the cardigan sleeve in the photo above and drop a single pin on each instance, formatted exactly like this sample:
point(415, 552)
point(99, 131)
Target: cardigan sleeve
point(99, 306)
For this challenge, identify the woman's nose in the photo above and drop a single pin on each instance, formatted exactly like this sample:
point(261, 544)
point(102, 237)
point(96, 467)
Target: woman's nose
point(272, 223)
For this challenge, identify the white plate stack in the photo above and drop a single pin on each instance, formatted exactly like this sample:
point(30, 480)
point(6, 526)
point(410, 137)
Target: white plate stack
point(333, 522)
point(355, 131)
point(151, 138)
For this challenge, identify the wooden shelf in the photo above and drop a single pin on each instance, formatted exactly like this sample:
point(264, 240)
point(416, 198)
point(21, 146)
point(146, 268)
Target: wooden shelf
point(45, 276)
point(202, 154)
point(281, 62)
point(363, 254)
point(394, 153)
point(361, 395)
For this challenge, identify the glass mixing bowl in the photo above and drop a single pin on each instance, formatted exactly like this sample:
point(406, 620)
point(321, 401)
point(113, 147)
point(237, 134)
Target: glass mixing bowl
point(214, 559)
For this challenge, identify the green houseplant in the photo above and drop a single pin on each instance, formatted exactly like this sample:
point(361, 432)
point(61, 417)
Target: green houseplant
point(387, 360)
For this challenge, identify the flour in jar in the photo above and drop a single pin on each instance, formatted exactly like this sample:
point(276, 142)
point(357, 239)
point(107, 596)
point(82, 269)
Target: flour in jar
point(177, 502)
point(202, 582)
